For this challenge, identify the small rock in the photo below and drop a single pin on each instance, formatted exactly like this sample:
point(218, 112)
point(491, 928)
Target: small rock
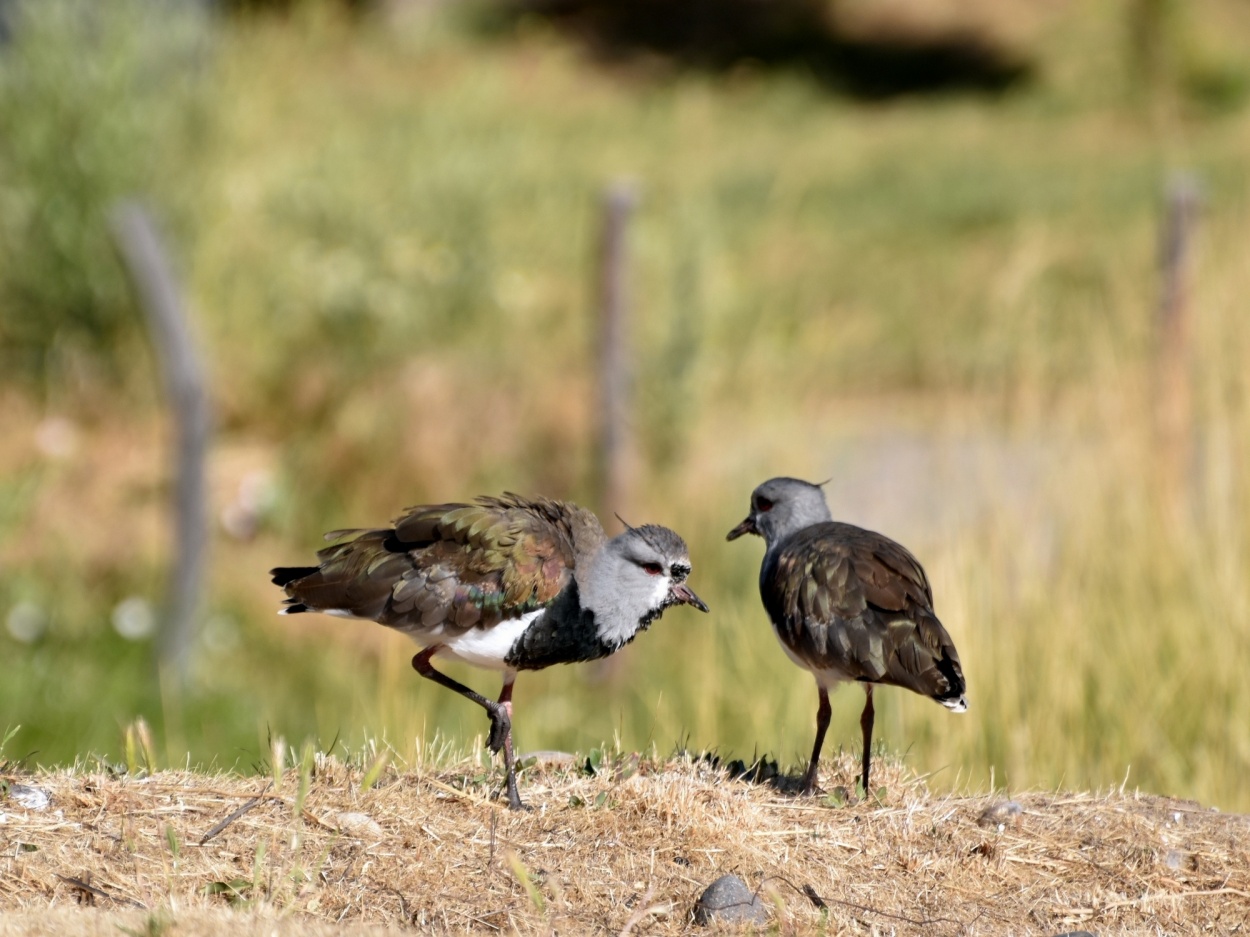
point(729, 900)
point(1178, 859)
point(358, 824)
point(29, 797)
point(1000, 814)
point(551, 759)
point(1075, 933)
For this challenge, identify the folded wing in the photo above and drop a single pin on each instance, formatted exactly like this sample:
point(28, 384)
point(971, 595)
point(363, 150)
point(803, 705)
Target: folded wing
point(852, 601)
point(445, 568)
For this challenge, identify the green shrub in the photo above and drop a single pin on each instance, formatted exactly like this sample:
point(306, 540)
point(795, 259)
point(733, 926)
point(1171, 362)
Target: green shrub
point(93, 95)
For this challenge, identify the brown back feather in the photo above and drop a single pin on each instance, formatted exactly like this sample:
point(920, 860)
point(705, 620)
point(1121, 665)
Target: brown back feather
point(453, 565)
point(853, 601)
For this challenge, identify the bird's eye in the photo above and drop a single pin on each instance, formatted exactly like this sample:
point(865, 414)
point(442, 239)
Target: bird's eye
point(763, 505)
point(653, 569)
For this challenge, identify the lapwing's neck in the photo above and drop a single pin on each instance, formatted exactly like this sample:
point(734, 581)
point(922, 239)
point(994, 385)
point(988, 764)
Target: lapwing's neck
point(773, 547)
point(615, 626)
point(565, 633)
point(618, 612)
point(772, 550)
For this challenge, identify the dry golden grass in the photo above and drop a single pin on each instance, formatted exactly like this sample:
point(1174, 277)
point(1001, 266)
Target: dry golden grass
point(945, 306)
point(626, 850)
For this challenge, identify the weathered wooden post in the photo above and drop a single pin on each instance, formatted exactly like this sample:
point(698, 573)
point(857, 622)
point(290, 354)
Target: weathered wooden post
point(1153, 29)
point(156, 287)
point(615, 448)
point(1173, 405)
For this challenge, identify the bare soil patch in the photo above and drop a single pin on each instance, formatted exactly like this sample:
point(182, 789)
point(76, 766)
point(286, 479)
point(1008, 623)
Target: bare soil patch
point(625, 850)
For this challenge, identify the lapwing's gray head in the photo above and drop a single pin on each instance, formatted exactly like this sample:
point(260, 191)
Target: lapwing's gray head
point(781, 507)
point(635, 577)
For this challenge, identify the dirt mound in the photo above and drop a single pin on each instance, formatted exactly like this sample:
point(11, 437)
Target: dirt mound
point(627, 848)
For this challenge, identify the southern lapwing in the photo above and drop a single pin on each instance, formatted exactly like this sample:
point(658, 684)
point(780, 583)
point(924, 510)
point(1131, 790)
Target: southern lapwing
point(847, 604)
point(506, 583)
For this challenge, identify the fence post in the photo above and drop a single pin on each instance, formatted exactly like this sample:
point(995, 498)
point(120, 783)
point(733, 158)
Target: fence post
point(612, 482)
point(152, 276)
point(1174, 414)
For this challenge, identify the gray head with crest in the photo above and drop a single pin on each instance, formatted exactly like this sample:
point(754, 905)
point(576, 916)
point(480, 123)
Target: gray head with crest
point(783, 506)
point(634, 578)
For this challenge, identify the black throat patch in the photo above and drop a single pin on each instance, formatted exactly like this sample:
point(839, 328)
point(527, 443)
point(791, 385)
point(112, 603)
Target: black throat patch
point(564, 634)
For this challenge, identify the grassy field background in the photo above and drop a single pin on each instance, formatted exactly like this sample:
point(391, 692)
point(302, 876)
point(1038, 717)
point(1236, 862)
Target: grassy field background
point(944, 304)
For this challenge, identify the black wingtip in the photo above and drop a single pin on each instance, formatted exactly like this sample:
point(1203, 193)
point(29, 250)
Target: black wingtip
point(284, 574)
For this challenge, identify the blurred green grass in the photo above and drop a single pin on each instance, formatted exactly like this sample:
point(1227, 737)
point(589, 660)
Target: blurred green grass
point(946, 304)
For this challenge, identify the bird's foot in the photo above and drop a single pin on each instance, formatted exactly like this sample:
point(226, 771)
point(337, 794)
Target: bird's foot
point(810, 788)
point(514, 797)
point(500, 730)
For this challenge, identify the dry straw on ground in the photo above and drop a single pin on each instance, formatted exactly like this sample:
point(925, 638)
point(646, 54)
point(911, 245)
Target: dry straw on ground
point(625, 850)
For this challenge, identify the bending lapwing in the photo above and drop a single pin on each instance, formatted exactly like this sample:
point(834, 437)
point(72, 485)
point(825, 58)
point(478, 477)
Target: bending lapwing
point(505, 583)
point(848, 604)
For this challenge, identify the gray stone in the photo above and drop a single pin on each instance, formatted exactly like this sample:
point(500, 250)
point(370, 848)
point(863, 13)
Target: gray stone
point(550, 759)
point(32, 798)
point(729, 900)
point(1001, 815)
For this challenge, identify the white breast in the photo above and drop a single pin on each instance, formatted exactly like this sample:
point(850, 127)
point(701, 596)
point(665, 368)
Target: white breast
point(485, 647)
point(481, 647)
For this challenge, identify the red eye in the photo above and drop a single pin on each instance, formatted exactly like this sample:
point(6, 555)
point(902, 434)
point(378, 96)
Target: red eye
point(653, 569)
point(763, 505)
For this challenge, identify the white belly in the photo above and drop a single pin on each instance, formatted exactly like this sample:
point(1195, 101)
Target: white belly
point(482, 647)
point(827, 678)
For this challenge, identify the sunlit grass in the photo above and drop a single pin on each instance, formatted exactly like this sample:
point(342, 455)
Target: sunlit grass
point(944, 305)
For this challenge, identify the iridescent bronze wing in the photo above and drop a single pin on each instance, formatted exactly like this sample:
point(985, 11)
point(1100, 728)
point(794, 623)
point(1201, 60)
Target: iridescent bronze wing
point(855, 602)
point(446, 567)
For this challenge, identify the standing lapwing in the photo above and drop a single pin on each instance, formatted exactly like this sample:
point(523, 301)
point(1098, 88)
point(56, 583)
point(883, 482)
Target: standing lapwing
point(847, 604)
point(505, 583)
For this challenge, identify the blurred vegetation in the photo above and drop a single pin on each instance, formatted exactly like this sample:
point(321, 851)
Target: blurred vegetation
point(97, 101)
point(832, 41)
point(946, 303)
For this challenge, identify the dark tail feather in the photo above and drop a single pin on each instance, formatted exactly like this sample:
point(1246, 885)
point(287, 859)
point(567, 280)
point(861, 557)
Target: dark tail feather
point(293, 608)
point(954, 675)
point(284, 574)
point(954, 697)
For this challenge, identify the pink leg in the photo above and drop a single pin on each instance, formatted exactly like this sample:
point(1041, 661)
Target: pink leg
point(505, 703)
point(500, 714)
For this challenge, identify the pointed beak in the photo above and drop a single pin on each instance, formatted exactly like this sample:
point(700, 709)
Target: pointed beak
point(682, 594)
point(746, 527)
